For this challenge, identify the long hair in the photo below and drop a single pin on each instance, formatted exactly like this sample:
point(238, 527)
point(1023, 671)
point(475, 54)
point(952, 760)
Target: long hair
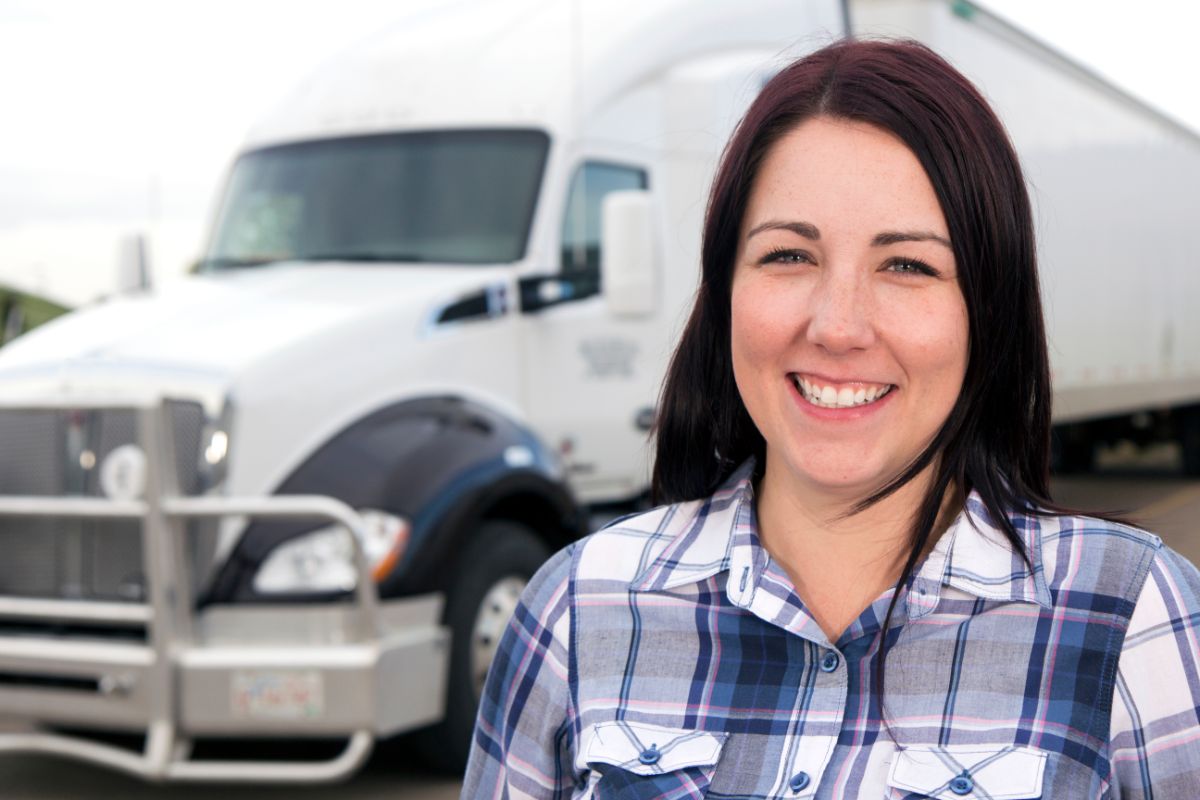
point(996, 439)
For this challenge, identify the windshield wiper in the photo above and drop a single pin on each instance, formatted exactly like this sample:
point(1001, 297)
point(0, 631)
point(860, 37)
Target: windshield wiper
point(365, 257)
point(228, 262)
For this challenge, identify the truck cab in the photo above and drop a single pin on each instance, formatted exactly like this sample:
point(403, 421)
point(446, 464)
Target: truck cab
point(299, 494)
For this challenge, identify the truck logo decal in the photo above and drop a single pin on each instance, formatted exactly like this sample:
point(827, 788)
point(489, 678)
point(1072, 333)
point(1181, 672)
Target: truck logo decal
point(609, 358)
point(123, 473)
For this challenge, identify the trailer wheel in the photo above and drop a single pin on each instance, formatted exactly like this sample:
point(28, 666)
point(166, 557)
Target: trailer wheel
point(490, 575)
point(1189, 439)
point(1072, 450)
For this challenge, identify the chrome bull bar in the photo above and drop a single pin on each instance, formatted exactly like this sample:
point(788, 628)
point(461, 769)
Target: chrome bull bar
point(141, 686)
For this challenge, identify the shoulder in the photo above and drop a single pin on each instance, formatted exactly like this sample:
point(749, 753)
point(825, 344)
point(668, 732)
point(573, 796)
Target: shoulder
point(1077, 553)
point(1155, 729)
point(622, 550)
point(618, 552)
point(1169, 600)
point(1162, 642)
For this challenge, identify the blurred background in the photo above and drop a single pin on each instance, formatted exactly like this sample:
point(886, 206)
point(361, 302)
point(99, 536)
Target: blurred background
point(123, 117)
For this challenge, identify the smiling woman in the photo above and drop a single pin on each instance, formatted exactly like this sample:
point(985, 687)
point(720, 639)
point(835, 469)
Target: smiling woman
point(860, 586)
point(844, 287)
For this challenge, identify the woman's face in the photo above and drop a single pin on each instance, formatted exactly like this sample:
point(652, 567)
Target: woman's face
point(849, 330)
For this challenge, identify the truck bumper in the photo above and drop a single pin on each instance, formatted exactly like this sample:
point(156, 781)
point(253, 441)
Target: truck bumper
point(272, 672)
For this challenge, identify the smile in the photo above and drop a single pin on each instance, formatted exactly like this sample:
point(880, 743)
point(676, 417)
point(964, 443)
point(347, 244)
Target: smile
point(840, 396)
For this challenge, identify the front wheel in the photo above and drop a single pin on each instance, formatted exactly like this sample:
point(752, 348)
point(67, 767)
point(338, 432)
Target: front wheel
point(482, 595)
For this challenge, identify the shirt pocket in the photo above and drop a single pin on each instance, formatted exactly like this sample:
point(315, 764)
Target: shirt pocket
point(968, 772)
point(639, 761)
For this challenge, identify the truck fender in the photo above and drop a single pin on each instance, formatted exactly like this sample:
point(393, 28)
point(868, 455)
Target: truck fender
point(444, 463)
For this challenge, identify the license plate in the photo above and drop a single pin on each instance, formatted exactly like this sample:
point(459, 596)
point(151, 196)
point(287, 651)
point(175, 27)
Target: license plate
point(278, 694)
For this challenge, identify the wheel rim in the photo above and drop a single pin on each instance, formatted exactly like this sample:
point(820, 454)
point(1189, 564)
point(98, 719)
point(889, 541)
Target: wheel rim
point(494, 613)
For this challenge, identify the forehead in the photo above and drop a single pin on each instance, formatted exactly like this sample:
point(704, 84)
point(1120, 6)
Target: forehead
point(844, 177)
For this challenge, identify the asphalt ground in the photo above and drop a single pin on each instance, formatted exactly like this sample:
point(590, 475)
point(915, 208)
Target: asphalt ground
point(1145, 487)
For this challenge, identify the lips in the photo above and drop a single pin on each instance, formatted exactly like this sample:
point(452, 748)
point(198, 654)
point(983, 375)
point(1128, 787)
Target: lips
point(827, 394)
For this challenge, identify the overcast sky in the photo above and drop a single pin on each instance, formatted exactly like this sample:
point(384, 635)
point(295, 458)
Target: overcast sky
point(122, 115)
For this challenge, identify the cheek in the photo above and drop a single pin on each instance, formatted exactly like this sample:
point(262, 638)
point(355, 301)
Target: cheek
point(936, 342)
point(757, 339)
point(763, 321)
point(757, 342)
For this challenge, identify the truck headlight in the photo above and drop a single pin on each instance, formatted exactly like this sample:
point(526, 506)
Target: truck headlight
point(323, 560)
point(214, 448)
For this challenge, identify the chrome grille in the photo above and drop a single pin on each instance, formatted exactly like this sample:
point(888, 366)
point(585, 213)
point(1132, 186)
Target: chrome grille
point(31, 448)
point(58, 452)
point(41, 450)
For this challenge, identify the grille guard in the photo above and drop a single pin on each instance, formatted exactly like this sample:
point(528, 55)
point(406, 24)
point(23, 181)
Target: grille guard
point(157, 685)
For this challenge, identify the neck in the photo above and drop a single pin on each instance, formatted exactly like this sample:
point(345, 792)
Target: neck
point(840, 560)
point(795, 516)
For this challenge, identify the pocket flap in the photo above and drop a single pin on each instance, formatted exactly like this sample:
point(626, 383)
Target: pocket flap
point(645, 749)
point(963, 772)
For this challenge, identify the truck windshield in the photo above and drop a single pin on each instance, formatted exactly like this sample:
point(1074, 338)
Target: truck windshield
point(437, 196)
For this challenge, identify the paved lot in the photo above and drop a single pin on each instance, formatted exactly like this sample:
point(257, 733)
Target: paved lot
point(40, 778)
point(1146, 487)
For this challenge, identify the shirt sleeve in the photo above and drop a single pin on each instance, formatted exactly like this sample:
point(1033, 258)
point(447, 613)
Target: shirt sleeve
point(1155, 732)
point(524, 733)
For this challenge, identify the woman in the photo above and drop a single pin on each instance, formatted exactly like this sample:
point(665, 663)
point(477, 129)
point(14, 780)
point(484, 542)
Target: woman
point(860, 587)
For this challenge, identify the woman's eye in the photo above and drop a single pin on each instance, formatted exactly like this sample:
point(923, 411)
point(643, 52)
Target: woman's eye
point(910, 266)
point(786, 257)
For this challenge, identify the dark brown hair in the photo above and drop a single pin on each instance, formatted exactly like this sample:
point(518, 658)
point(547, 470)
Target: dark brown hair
point(996, 440)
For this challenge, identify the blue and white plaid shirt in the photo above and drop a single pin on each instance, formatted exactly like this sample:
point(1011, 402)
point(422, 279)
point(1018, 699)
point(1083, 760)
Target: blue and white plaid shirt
point(668, 656)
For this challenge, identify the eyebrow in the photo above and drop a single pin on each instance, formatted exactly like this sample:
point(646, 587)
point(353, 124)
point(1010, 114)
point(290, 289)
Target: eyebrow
point(805, 229)
point(894, 237)
point(810, 231)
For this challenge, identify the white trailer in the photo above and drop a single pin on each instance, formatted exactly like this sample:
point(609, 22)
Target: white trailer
point(1113, 185)
point(298, 496)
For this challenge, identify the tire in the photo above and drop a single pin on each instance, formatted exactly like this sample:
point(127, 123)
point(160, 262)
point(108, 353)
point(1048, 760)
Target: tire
point(1072, 450)
point(488, 578)
point(1189, 439)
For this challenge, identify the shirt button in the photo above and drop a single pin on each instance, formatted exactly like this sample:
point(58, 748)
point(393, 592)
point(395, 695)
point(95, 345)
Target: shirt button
point(798, 781)
point(650, 755)
point(962, 784)
point(830, 662)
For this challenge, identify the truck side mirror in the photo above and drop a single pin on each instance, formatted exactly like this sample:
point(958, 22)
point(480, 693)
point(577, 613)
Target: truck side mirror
point(629, 253)
point(133, 265)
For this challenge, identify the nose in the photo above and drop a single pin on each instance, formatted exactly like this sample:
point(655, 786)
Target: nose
point(841, 312)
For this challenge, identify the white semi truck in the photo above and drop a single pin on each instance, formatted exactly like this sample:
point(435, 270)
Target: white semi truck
point(299, 495)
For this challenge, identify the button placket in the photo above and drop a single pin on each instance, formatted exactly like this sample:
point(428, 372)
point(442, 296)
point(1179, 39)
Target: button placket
point(829, 698)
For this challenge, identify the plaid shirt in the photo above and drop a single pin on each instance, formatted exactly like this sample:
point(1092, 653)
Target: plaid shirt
point(668, 656)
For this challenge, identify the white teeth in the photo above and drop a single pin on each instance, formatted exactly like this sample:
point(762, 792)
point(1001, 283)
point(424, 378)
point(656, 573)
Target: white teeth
point(829, 397)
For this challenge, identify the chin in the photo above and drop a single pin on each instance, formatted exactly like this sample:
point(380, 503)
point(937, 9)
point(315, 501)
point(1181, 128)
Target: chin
point(852, 479)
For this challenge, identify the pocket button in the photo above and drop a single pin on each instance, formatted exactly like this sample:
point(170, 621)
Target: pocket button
point(962, 784)
point(799, 781)
point(650, 755)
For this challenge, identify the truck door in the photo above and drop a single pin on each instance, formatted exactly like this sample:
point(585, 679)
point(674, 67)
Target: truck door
point(592, 378)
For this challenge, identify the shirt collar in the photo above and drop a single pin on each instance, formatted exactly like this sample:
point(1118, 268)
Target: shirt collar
point(704, 545)
point(972, 556)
